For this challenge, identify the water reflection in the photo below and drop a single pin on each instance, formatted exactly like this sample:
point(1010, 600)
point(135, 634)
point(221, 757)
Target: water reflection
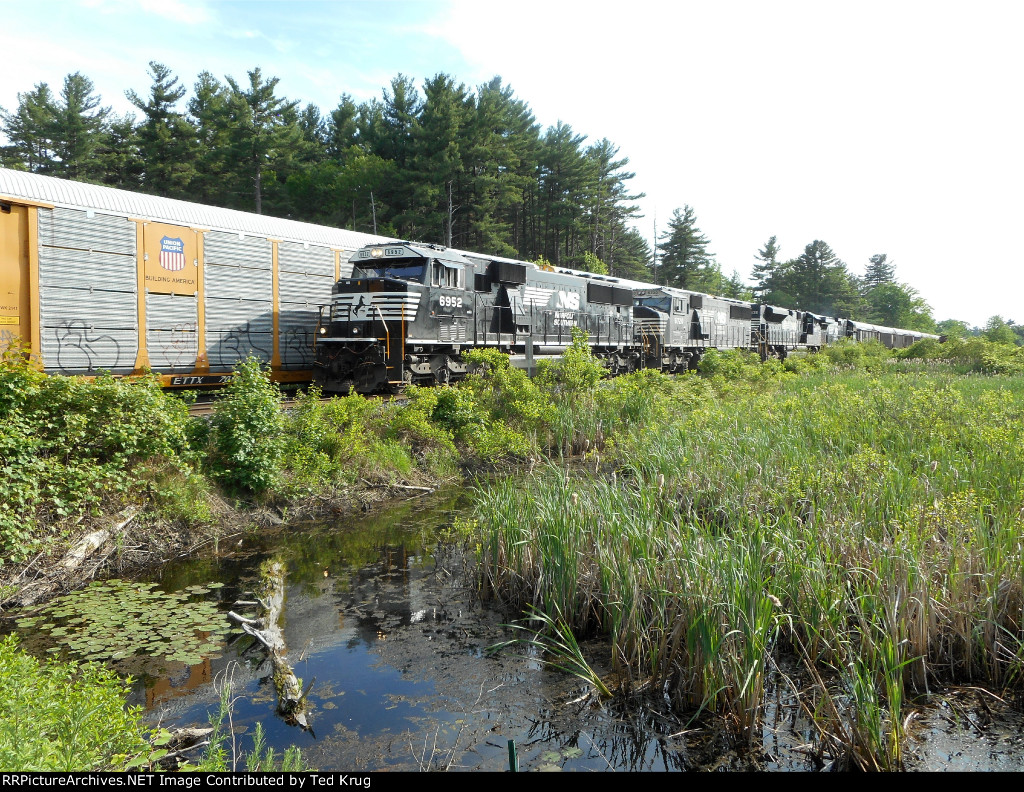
point(386, 618)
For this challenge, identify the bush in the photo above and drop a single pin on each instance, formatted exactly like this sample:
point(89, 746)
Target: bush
point(576, 372)
point(246, 430)
point(64, 716)
point(71, 445)
point(857, 354)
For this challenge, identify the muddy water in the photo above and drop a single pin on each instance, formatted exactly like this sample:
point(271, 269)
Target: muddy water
point(382, 618)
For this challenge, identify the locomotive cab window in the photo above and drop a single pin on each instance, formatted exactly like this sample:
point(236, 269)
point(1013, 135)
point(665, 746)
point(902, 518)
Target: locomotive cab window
point(410, 272)
point(445, 276)
point(657, 303)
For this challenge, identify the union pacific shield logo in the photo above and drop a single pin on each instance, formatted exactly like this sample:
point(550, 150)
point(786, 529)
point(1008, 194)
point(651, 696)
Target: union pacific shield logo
point(172, 254)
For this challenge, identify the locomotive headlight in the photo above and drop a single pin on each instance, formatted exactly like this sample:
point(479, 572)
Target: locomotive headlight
point(355, 331)
point(323, 331)
point(377, 252)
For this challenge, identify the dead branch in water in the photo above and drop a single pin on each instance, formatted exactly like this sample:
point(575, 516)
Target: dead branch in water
point(291, 699)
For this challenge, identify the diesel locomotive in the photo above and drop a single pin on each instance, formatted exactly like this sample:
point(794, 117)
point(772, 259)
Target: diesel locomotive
point(410, 310)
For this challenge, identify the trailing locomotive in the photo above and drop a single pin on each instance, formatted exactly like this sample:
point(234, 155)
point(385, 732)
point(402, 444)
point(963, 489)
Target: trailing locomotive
point(410, 310)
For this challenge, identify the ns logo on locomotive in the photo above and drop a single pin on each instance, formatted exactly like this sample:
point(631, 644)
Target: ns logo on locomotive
point(409, 310)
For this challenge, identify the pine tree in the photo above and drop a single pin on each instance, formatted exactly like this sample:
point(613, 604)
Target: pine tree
point(263, 134)
point(121, 155)
point(210, 116)
point(79, 130)
point(437, 165)
point(685, 260)
point(633, 256)
point(500, 169)
point(342, 129)
point(31, 130)
point(563, 176)
point(768, 259)
point(166, 139)
point(818, 281)
point(879, 270)
point(610, 204)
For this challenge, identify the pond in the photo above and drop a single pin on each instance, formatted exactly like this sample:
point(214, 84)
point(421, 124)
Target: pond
point(382, 618)
point(384, 624)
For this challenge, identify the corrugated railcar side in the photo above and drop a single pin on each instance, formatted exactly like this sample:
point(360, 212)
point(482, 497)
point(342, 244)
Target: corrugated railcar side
point(97, 279)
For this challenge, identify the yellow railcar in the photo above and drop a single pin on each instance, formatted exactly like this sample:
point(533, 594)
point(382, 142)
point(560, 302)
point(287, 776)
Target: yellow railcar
point(95, 279)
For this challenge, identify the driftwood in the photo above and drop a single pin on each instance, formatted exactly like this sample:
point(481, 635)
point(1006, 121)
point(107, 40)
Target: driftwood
point(398, 486)
point(68, 571)
point(291, 699)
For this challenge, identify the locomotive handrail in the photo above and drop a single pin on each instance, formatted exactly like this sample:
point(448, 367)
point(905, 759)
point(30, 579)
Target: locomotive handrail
point(387, 333)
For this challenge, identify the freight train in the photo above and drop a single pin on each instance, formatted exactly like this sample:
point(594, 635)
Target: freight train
point(409, 311)
point(96, 279)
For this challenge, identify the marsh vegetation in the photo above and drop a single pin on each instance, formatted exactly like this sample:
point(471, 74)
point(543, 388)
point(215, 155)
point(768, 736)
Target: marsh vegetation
point(847, 525)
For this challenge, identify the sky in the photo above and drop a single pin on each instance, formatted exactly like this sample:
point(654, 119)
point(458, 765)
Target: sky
point(889, 127)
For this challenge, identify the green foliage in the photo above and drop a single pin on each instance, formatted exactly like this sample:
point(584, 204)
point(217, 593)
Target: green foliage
point(975, 354)
point(866, 518)
point(592, 263)
point(70, 445)
point(246, 430)
point(326, 444)
point(898, 305)
point(559, 646)
point(217, 758)
point(64, 716)
point(685, 260)
point(998, 331)
point(575, 373)
point(857, 354)
point(497, 412)
point(113, 620)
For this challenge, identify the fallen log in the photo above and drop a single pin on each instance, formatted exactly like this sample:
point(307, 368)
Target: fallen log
point(67, 573)
point(291, 699)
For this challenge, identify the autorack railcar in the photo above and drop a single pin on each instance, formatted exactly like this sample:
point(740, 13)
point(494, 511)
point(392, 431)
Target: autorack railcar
point(97, 279)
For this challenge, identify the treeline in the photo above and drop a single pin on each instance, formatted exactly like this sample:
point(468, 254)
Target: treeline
point(459, 166)
point(453, 165)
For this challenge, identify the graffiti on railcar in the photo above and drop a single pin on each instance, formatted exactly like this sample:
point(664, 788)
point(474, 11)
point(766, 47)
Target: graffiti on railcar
point(76, 339)
point(297, 346)
point(238, 344)
point(179, 345)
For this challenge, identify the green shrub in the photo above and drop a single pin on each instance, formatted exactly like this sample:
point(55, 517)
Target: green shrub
point(64, 716)
point(857, 354)
point(71, 445)
point(246, 430)
point(576, 372)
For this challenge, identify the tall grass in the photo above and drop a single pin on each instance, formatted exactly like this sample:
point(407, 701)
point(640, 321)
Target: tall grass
point(872, 523)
